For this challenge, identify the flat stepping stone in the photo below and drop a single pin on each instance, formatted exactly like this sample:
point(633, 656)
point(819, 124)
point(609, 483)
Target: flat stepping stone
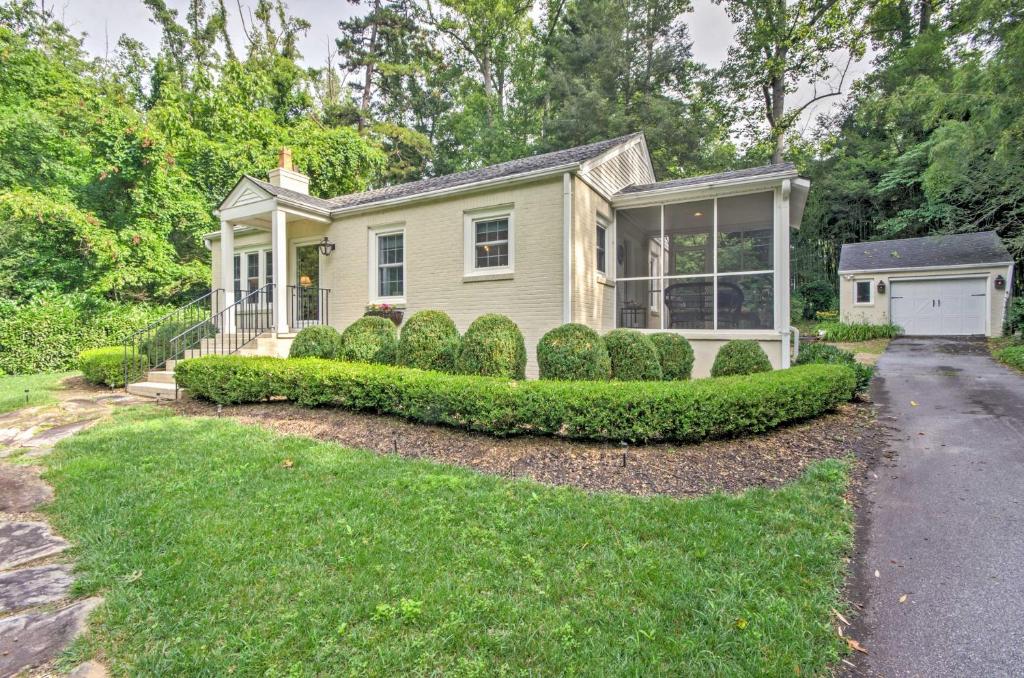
point(32, 639)
point(23, 542)
point(89, 669)
point(21, 489)
point(33, 586)
point(52, 436)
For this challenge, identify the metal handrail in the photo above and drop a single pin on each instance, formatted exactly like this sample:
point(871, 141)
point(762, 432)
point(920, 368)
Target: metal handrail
point(303, 299)
point(150, 341)
point(253, 315)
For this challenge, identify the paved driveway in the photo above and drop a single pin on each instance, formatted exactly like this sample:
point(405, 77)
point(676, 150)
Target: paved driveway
point(947, 516)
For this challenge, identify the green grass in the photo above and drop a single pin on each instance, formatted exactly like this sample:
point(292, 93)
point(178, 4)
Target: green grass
point(216, 559)
point(40, 389)
point(1012, 355)
point(847, 332)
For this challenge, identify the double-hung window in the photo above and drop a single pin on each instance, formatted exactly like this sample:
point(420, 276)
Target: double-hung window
point(252, 270)
point(388, 265)
point(490, 242)
point(862, 292)
point(602, 249)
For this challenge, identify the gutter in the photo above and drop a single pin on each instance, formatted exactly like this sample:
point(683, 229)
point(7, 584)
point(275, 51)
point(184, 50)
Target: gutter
point(642, 196)
point(991, 264)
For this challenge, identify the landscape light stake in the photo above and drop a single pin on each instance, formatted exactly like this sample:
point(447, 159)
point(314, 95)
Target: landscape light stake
point(394, 445)
point(26, 396)
point(219, 408)
point(625, 448)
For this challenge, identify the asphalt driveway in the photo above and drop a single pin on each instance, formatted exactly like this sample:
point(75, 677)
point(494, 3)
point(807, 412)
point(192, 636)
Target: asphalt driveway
point(946, 517)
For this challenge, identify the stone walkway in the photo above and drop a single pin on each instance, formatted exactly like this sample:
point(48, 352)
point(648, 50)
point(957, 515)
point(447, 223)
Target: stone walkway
point(38, 619)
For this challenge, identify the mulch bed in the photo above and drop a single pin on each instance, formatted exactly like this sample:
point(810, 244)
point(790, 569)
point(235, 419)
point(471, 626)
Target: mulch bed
point(767, 460)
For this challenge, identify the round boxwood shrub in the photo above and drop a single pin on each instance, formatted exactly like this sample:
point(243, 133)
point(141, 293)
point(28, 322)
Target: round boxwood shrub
point(818, 353)
point(108, 365)
point(633, 356)
point(675, 354)
point(493, 346)
point(429, 341)
point(573, 352)
point(318, 341)
point(370, 340)
point(740, 356)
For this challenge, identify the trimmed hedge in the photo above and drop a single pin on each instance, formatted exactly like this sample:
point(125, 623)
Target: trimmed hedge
point(1012, 356)
point(106, 366)
point(157, 345)
point(740, 356)
point(824, 354)
point(675, 355)
point(317, 341)
point(633, 356)
point(573, 352)
point(371, 339)
point(858, 331)
point(688, 411)
point(493, 346)
point(429, 341)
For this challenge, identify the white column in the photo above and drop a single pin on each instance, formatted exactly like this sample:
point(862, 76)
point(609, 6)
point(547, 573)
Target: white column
point(782, 254)
point(279, 247)
point(227, 272)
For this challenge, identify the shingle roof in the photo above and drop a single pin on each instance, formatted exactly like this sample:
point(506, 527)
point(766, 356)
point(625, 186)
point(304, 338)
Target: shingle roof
point(748, 173)
point(983, 247)
point(291, 195)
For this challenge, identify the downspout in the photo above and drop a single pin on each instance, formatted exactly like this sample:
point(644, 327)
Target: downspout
point(567, 247)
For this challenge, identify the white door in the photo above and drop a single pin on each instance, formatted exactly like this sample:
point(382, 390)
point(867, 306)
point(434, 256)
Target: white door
point(940, 307)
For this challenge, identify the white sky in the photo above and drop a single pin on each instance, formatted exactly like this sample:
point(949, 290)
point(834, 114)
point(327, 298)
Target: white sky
point(103, 21)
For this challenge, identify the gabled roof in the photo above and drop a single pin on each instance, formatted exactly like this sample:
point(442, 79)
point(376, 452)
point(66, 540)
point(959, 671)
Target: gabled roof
point(689, 182)
point(293, 196)
point(933, 251)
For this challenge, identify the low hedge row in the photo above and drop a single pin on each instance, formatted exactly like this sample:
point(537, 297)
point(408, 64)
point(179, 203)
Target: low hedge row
point(106, 366)
point(687, 411)
point(835, 331)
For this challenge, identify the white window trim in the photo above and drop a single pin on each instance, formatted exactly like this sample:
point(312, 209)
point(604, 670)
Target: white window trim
point(242, 254)
point(469, 240)
point(374, 290)
point(871, 293)
point(603, 225)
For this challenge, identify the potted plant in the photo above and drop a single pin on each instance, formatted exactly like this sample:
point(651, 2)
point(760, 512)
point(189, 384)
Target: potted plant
point(386, 311)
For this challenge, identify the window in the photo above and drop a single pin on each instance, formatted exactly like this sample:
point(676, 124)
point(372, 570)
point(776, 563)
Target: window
point(490, 242)
point(388, 264)
point(252, 270)
point(268, 266)
point(237, 276)
point(252, 274)
point(862, 292)
point(602, 244)
point(704, 264)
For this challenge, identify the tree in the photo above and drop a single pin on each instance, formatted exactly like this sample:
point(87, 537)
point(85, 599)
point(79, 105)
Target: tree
point(779, 45)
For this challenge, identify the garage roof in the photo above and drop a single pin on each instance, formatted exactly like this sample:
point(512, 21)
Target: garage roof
point(933, 251)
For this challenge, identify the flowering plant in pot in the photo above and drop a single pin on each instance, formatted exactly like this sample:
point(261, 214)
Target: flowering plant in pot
point(388, 311)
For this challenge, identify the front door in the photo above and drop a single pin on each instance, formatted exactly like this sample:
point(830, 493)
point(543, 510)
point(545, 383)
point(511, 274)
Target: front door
point(306, 291)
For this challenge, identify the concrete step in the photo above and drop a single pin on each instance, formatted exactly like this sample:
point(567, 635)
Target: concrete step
point(153, 389)
point(161, 377)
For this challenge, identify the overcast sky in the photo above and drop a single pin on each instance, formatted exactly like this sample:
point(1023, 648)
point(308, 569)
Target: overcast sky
point(103, 21)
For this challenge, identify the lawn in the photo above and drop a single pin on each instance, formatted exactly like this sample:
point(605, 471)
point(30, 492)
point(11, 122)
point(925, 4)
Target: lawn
point(226, 549)
point(40, 389)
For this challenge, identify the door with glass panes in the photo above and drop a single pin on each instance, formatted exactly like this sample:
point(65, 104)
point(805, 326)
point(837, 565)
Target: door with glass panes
point(305, 293)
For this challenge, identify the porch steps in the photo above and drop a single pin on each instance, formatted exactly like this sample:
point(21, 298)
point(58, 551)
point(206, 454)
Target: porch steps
point(154, 389)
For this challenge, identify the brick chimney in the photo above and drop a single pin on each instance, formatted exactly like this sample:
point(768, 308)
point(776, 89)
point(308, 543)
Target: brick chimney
point(285, 176)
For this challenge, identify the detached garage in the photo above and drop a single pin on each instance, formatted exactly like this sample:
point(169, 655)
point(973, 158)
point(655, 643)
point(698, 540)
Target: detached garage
point(936, 285)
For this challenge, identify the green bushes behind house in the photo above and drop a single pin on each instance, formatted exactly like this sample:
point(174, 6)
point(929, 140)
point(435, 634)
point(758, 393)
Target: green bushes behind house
point(613, 411)
point(740, 356)
point(493, 346)
point(106, 366)
point(316, 341)
point(839, 331)
point(633, 356)
point(429, 341)
point(675, 355)
point(573, 352)
point(371, 339)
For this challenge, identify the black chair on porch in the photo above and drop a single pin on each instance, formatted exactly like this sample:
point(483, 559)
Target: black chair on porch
point(691, 305)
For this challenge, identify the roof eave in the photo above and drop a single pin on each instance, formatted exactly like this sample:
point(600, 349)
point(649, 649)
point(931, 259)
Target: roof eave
point(627, 198)
point(930, 267)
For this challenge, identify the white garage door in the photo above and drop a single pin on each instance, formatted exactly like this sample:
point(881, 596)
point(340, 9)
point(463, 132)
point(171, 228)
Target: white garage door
point(937, 307)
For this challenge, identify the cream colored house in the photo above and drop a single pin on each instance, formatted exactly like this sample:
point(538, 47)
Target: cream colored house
point(937, 285)
point(582, 235)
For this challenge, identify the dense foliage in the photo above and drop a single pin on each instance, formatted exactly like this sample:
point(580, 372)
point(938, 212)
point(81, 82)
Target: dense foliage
point(573, 352)
point(632, 411)
point(429, 341)
point(825, 354)
point(1012, 356)
point(740, 356)
point(633, 356)
point(370, 339)
point(839, 331)
point(318, 341)
point(109, 365)
point(675, 355)
point(493, 346)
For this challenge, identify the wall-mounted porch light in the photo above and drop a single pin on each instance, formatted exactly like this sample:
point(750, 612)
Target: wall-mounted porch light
point(326, 247)
point(1000, 282)
point(881, 287)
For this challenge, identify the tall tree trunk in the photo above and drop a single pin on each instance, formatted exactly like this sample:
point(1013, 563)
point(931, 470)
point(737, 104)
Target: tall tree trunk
point(778, 103)
point(364, 104)
point(925, 16)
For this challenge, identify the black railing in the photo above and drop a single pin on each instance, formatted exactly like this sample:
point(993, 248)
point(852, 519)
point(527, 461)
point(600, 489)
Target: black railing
point(307, 306)
point(252, 314)
point(151, 347)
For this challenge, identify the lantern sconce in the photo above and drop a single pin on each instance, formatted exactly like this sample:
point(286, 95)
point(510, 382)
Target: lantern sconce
point(881, 287)
point(1000, 282)
point(326, 247)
